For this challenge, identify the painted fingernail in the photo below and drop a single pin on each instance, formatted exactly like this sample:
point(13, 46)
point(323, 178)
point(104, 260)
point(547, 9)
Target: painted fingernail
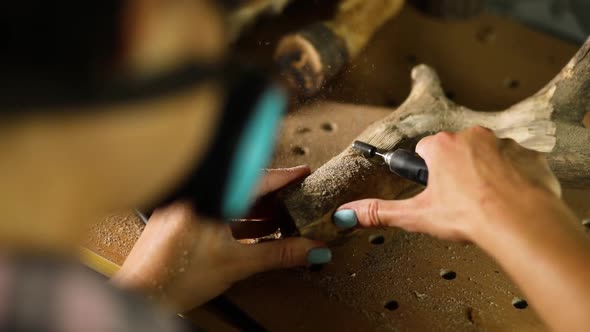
point(345, 218)
point(319, 256)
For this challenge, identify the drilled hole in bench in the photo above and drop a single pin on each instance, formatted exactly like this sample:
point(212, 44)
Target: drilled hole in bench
point(511, 83)
point(448, 274)
point(302, 130)
point(486, 34)
point(519, 303)
point(329, 127)
point(376, 239)
point(391, 305)
point(299, 150)
point(412, 59)
point(472, 315)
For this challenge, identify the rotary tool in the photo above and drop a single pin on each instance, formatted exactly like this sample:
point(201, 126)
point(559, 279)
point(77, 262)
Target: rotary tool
point(404, 163)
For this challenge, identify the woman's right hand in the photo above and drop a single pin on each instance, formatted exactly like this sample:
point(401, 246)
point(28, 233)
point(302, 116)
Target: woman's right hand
point(474, 179)
point(505, 199)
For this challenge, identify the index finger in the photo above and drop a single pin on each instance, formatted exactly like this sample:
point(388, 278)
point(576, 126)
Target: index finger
point(274, 179)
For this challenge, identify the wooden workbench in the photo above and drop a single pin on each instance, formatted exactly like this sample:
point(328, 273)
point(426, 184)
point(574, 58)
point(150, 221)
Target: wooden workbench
point(486, 63)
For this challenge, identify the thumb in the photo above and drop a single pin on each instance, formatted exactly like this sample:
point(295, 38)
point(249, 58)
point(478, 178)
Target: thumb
point(405, 214)
point(283, 254)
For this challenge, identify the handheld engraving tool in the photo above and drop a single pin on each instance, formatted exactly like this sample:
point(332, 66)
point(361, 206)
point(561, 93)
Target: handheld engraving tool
point(404, 163)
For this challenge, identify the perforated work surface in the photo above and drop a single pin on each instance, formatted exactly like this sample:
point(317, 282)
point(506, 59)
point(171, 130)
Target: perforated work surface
point(409, 281)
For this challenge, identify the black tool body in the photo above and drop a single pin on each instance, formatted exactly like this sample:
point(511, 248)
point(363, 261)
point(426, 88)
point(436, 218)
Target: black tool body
point(404, 163)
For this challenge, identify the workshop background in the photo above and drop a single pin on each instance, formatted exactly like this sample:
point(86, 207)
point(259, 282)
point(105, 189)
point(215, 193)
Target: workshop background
point(383, 280)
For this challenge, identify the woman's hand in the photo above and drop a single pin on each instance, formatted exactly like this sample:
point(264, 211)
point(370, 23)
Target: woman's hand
point(473, 178)
point(182, 261)
point(505, 199)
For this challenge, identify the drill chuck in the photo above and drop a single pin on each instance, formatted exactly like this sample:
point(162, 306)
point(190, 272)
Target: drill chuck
point(404, 163)
point(408, 165)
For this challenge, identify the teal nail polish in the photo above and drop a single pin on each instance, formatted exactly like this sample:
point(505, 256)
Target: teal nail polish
point(319, 256)
point(345, 218)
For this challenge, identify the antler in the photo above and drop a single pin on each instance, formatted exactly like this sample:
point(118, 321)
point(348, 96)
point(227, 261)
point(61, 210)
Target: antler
point(550, 121)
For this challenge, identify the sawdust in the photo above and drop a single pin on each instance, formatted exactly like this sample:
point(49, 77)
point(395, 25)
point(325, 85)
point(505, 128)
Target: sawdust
point(115, 236)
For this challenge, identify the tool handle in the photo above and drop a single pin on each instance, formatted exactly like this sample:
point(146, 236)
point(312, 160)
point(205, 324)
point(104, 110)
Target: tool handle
point(408, 165)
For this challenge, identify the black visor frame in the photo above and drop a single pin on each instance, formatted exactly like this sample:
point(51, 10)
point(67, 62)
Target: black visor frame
point(42, 91)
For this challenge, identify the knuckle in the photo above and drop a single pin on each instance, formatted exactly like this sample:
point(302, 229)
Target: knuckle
point(480, 130)
point(422, 146)
point(372, 213)
point(480, 133)
point(286, 255)
point(443, 140)
point(444, 137)
point(431, 144)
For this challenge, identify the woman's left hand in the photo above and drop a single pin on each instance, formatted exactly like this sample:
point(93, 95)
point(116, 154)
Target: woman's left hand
point(182, 260)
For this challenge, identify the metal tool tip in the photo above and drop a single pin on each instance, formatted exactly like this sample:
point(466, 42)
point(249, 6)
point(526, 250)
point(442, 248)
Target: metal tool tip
point(367, 150)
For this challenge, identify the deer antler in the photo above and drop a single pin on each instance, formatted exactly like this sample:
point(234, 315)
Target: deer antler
point(550, 121)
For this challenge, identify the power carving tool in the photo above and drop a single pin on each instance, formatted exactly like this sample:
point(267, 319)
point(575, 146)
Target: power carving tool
point(404, 163)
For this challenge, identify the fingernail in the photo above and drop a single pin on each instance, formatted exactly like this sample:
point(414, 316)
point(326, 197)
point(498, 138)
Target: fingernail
point(319, 256)
point(345, 218)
